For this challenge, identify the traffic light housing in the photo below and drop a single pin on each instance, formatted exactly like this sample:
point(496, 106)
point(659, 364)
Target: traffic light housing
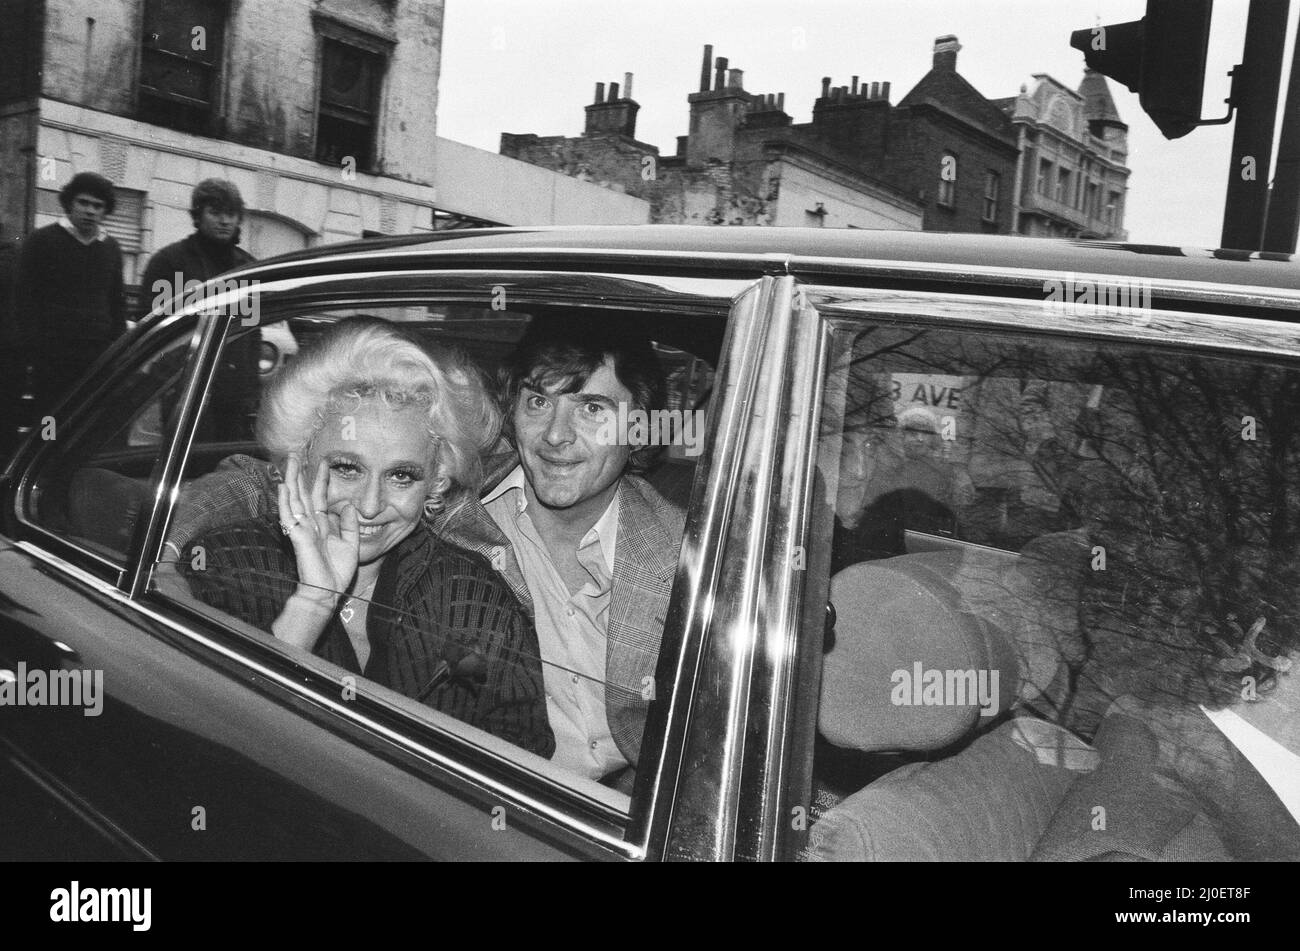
point(1160, 57)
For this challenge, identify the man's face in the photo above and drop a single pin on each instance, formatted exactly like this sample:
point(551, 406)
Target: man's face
point(85, 213)
point(217, 225)
point(564, 446)
point(919, 443)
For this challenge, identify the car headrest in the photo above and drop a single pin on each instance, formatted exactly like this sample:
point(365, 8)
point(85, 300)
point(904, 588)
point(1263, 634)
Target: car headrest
point(910, 671)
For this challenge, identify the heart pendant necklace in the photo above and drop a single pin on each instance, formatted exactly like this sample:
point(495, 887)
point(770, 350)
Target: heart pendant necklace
point(347, 612)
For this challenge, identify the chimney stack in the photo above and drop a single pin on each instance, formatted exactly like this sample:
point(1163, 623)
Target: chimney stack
point(612, 113)
point(945, 53)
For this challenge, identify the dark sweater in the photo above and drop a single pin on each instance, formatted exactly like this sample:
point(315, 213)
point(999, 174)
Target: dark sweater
point(444, 628)
point(68, 291)
point(195, 258)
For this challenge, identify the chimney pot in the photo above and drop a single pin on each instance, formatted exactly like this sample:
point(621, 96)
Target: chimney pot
point(826, 86)
point(875, 90)
point(780, 101)
point(600, 92)
point(855, 85)
point(884, 90)
point(946, 49)
point(613, 92)
point(704, 69)
point(627, 85)
point(720, 73)
point(735, 79)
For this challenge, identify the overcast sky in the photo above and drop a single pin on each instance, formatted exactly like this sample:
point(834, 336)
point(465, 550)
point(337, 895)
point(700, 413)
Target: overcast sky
point(531, 66)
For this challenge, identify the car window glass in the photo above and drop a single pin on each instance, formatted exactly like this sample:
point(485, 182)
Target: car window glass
point(225, 550)
point(1062, 575)
point(98, 476)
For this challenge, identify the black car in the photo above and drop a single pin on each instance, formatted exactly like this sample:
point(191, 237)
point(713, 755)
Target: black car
point(992, 552)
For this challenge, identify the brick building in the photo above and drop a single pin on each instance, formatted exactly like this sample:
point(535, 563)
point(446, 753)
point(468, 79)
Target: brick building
point(743, 162)
point(945, 158)
point(321, 111)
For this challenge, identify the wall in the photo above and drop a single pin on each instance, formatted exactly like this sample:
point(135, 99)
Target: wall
point(270, 76)
point(801, 188)
point(486, 185)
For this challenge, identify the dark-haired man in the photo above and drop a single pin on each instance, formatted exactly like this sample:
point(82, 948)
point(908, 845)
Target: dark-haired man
point(588, 545)
point(217, 210)
point(68, 303)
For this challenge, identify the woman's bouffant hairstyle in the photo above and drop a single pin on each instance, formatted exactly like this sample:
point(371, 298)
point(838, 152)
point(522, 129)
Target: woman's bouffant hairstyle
point(366, 358)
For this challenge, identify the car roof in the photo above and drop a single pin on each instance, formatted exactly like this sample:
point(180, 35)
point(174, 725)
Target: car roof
point(726, 247)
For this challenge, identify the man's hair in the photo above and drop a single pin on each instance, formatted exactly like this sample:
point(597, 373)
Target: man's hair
point(217, 194)
point(361, 359)
point(559, 357)
point(88, 183)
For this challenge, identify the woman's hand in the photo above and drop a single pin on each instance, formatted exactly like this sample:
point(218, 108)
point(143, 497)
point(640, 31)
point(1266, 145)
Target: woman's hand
point(326, 546)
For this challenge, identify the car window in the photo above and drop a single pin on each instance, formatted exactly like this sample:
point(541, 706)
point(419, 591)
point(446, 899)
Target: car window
point(449, 658)
point(98, 475)
point(1063, 583)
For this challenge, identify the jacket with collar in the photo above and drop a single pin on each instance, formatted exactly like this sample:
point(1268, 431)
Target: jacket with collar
point(645, 560)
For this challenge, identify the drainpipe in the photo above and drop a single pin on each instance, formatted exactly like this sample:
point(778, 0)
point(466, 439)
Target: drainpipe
point(1020, 177)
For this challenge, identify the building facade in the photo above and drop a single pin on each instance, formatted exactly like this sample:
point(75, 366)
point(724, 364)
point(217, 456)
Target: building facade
point(322, 112)
point(945, 158)
point(1072, 173)
point(743, 162)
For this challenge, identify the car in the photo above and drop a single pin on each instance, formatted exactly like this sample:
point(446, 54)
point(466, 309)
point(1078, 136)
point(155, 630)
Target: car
point(992, 552)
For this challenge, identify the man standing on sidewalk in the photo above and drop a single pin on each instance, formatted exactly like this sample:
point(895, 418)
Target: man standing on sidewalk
point(217, 209)
point(68, 303)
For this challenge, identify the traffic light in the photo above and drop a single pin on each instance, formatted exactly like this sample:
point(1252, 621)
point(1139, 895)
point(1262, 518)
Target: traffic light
point(1160, 57)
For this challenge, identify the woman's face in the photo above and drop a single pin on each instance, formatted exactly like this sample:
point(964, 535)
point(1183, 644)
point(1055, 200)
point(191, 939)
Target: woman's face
point(380, 460)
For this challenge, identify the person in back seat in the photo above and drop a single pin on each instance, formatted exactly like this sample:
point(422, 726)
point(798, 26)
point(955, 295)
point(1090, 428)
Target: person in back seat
point(920, 491)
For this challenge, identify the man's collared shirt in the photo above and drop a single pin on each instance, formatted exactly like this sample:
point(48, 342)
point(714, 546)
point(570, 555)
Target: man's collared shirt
point(70, 228)
point(571, 628)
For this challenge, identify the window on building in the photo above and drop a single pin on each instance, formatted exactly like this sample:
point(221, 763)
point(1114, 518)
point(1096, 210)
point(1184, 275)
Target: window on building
point(180, 62)
point(1044, 177)
point(1064, 181)
point(1090, 205)
point(1113, 210)
point(992, 187)
point(349, 104)
point(948, 179)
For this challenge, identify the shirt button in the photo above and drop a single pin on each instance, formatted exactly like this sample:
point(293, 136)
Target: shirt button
point(575, 678)
point(570, 612)
point(594, 745)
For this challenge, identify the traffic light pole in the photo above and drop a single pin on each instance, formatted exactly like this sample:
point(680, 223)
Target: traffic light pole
point(1284, 204)
point(1254, 92)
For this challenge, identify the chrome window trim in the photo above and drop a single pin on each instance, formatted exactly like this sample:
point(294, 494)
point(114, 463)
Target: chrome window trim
point(508, 794)
point(790, 439)
point(1161, 327)
point(702, 757)
point(808, 267)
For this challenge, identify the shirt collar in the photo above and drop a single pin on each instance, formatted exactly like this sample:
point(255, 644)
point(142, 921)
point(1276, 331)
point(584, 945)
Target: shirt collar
point(605, 531)
point(69, 227)
point(514, 480)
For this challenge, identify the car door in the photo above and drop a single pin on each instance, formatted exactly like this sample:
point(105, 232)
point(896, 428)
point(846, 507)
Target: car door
point(210, 739)
point(1095, 504)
